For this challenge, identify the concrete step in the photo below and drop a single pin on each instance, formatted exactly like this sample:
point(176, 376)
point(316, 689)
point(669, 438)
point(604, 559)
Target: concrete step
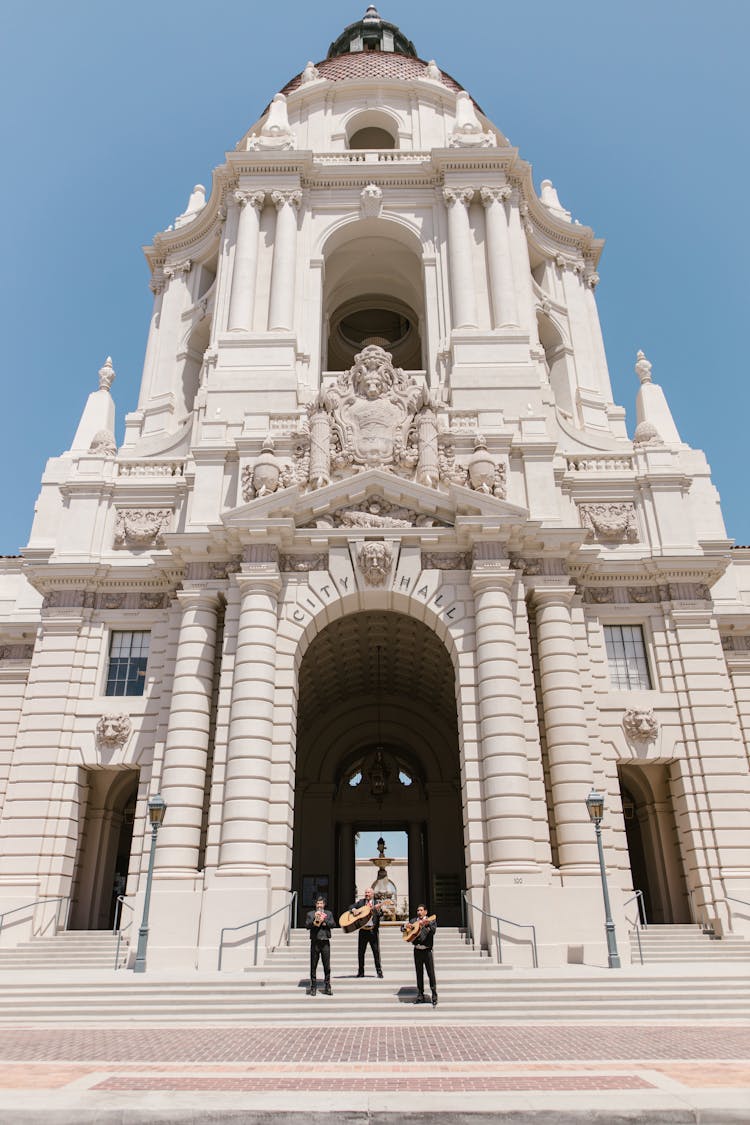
point(662, 944)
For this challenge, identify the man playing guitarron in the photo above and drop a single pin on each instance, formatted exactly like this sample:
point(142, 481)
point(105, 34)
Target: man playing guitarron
point(420, 931)
point(368, 933)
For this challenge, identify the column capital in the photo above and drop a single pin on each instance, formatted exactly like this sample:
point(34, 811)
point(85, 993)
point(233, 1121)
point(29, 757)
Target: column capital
point(257, 579)
point(293, 198)
point(551, 591)
point(492, 574)
point(490, 195)
point(178, 267)
point(256, 199)
point(198, 596)
point(458, 195)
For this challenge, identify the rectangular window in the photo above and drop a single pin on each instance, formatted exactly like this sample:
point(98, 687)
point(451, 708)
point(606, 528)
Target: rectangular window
point(128, 656)
point(626, 654)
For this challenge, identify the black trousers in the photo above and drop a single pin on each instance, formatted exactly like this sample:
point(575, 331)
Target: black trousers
point(371, 938)
point(320, 951)
point(423, 960)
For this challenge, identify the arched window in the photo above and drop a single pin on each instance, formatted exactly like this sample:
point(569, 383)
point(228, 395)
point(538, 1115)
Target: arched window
point(371, 137)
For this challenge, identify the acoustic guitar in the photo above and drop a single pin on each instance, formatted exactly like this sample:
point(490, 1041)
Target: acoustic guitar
point(411, 929)
point(352, 920)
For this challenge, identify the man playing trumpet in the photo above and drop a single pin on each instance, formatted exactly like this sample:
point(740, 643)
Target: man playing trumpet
point(320, 922)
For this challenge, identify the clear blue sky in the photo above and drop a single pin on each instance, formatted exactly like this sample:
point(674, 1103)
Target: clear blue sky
point(635, 110)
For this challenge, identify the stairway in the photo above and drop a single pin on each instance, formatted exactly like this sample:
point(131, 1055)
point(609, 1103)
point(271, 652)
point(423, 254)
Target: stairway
point(70, 949)
point(686, 943)
point(472, 989)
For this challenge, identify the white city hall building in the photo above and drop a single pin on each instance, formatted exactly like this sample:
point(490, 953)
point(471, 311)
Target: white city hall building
point(376, 552)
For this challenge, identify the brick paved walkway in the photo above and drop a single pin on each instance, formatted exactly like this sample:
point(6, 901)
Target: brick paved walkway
point(73, 1074)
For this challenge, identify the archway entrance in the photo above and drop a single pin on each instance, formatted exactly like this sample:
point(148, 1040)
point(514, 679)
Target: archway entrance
point(653, 848)
point(377, 747)
point(103, 857)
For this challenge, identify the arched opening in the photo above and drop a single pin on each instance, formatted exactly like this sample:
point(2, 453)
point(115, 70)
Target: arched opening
point(374, 293)
point(377, 749)
point(558, 358)
point(653, 846)
point(107, 814)
point(192, 364)
point(372, 130)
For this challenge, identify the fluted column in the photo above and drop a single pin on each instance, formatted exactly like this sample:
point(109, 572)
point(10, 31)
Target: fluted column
point(281, 307)
point(460, 262)
point(247, 786)
point(505, 765)
point(183, 780)
point(566, 733)
point(502, 287)
point(244, 273)
point(416, 867)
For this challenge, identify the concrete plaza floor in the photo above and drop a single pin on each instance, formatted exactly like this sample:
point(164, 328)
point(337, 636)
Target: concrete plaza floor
point(548, 1074)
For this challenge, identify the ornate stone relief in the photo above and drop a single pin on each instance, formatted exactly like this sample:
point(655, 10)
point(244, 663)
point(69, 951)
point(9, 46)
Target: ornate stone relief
point(612, 523)
point(735, 644)
point(640, 724)
point(141, 527)
point(646, 433)
point(683, 592)
point(375, 559)
point(266, 474)
point(641, 594)
point(302, 563)
point(16, 652)
point(111, 601)
point(103, 442)
point(376, 512)
point(371, 201)
point(458, 561)
point(153, 601)
point(600, 595)
point(529, 567)
point(484, 473)
point(112, 731)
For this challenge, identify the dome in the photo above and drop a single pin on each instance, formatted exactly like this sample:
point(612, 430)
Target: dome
point(386, 65)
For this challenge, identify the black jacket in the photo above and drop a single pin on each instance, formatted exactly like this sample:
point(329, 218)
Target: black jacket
point(426, 935)
point(323, 931)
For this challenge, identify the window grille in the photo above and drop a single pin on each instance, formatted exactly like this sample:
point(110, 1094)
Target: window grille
point(128, 656)
point(626, 654)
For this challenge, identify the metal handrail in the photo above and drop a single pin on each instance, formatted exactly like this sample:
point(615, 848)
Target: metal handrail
point(507, 922)
point(117, 928)
point(256, 922)
point(37, 902)
point(741, 901)
point(641, 908)
point(640, 919)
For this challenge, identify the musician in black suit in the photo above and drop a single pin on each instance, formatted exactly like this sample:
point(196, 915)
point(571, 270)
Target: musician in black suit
point(320, 922)
point(368, 933)
point(422, 945)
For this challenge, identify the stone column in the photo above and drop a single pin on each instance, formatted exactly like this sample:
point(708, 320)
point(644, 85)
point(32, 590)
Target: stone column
point(244, 273)
point(156, 285)
point(320, 446)
point(460, 257)
point(428, 470)
point(502, 287)
point(281, 306)
point(247, 786)
point(415, 862)
point(183, 779)
point(566, 733)
point(346, 858)
point(505, 765)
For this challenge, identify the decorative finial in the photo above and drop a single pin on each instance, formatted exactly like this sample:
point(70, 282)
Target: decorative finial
point(372, 13)
point(643, 368)
point(106, 374)
point(310, 73)
point(432, 71)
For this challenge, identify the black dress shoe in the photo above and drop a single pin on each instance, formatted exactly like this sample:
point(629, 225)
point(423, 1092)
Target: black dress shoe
point(327, 990)
point(313, 991)
point(420, 999)
point(360, 974)
point(380, 973)
point(434, 999)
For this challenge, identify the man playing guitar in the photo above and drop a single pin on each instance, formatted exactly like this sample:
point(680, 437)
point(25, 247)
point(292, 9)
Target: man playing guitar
point(368, 933)
point(423, 952)
point(320, 922)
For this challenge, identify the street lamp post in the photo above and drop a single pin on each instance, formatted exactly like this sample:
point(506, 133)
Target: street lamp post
point(595, 806)
point(157, 806)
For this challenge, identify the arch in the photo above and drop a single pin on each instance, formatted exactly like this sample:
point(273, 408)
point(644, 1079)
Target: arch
point(407, 724)
point(106, 831)
point(558, 357)
point(373, 293)
point(380, 121)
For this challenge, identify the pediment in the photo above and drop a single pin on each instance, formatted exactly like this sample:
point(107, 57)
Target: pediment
point(375, 499)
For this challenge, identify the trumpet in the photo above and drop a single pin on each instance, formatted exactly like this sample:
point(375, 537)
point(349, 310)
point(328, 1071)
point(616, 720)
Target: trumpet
point(319, 918)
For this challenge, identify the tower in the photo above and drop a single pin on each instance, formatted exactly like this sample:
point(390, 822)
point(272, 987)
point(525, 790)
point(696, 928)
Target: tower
point(376, 431)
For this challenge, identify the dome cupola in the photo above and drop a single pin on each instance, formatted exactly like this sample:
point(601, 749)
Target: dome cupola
point(371, 33)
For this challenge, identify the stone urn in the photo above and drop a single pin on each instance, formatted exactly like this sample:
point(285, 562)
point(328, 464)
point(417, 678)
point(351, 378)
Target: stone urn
point(481, 467)
point(266, 471)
